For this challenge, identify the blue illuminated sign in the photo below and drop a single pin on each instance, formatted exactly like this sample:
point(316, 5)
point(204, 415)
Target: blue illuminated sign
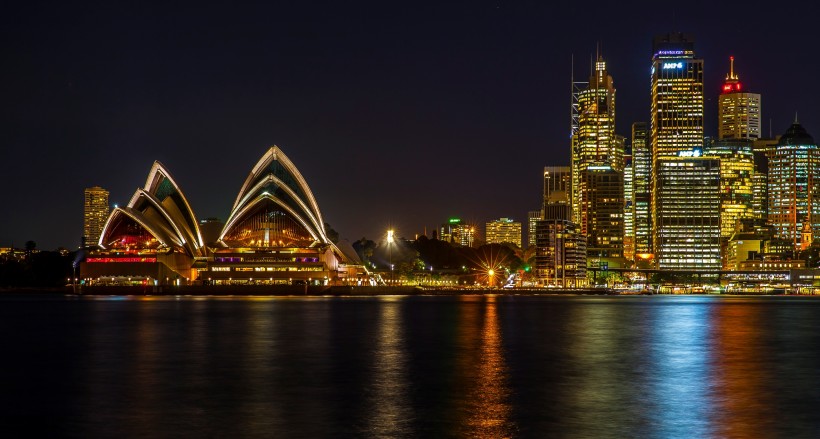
point(673, 65)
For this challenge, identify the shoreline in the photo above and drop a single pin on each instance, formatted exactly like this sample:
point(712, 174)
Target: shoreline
point(339, 291)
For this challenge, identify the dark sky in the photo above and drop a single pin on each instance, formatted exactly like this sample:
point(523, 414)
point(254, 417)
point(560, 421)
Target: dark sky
point(398, 114)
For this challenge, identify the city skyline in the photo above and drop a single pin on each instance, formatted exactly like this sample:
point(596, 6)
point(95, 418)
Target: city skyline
point(367, 101)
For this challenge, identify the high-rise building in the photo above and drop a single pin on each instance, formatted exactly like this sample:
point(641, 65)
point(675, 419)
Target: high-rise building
point(594, 142)
point(687, 212)
point(561, 257)
point(738, 110)
point(602, 207)
point(597, 167)
point(676, 126)
point(456, 231)
point(677, 97)
point(629, 208)
point(533, 217)
point(503, 230)
point(641, 189)
point(736, 184)
point(762, 148)
point(794, 194)
point(557, 192)
point(95, 214)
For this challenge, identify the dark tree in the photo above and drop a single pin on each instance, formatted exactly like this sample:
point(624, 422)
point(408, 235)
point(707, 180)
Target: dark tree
point(332, 234)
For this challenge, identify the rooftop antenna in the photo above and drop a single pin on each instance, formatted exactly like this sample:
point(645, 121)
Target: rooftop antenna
point(795, 117)
point(770, 128)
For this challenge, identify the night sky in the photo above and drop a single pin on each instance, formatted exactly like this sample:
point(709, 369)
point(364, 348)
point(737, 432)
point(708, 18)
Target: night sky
point(398, 114)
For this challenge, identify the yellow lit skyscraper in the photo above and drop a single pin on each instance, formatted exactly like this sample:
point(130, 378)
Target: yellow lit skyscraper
point(597, 167)
point(95, 214)
point(641, 189)
point(738, 110)
point(594, 142)
point(677, 97)
point(736, 184)
point(685, 220)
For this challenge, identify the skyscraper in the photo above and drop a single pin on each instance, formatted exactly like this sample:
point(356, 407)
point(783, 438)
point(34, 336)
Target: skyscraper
point(641, 189)
point(594, 142)
point(602, 210)
point(557, 184)
point(597, 167)
point(95, 213)
point(676, 128)
point(738, 110)
point(687, 214)
point(560, 256)
point(676, 122)
point(737, 170)
point(794, 194)
point(629, 208)
point(533, 217)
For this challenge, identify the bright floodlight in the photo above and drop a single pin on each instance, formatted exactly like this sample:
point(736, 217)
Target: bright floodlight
point(390, 236)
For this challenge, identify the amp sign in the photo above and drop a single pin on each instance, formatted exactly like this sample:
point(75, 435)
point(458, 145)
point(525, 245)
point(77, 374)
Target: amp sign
point(673, 65)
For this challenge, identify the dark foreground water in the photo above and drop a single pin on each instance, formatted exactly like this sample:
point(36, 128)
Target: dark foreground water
point(486, 367)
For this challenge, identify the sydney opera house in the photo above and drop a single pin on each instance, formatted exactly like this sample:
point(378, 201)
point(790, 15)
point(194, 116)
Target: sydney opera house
point(274, 234)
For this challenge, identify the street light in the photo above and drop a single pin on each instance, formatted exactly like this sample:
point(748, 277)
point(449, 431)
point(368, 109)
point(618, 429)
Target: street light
point(390, 252)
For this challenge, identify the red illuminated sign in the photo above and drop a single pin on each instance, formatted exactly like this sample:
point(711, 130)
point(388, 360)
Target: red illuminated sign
point(106, 260)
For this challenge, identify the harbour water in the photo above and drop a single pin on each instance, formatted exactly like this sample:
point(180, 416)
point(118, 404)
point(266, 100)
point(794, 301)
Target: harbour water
point(417, 366)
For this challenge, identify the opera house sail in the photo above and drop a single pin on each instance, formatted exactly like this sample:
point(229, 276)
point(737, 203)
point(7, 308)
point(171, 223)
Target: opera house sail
point(155, 238)
point(274, 234)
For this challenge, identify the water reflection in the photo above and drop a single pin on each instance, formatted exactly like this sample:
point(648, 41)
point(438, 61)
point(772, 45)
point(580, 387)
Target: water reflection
point(663, 367)
point(740, 372)
point(391, 413)
point(679, 399)
point(489, 406)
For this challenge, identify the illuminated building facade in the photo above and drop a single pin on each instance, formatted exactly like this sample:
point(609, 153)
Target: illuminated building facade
point(676, 126)
point(677, 97)
point(275, 232)
point(532, 219)
point(274, 235)
point(738, 110)
point(641, 189)
point(455, 231)
point(629, 208)
point(503, 230)
point(762, 149)
point(687, 213)
point(602, 207)
point(153, 240)
point(561, 256)
point(594, 143)
point(736, 184)
point(793, 192)
point(557, 185)
point(95, 212)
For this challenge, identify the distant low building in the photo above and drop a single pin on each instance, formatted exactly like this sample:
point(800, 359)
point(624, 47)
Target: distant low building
point(503, 230)
point(456, 231)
